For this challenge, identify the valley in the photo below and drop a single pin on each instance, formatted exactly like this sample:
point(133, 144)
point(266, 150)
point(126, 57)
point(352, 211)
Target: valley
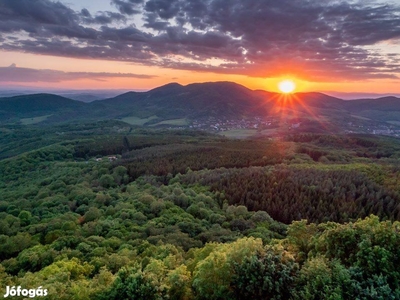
point(96, 210)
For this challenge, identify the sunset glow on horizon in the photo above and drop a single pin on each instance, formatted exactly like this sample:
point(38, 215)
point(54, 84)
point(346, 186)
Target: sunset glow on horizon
point(144, 44)
point(287, 86)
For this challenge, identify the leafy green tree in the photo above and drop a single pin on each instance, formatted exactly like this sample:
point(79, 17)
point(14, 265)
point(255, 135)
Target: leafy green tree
point(300, 237)
point(11, 246)
point(92, 214)
point(212, 276)
point(322, 279)
point(374, 287)
point(130, 283)
point(36, 258)
point(120, 175)
point(179, 281)
point(266, 275)
point(25, 217)
point(107, 181)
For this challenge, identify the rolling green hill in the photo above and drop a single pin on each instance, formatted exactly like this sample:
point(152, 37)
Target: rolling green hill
point(164, 105)
point(42, 107)
point(382, 109)
point(173, 101)
point(37, 102)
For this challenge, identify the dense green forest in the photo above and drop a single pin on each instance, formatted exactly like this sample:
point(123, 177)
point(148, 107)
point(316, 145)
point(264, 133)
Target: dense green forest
point(104, 210)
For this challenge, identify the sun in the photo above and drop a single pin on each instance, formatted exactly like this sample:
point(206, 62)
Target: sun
point(287, 86)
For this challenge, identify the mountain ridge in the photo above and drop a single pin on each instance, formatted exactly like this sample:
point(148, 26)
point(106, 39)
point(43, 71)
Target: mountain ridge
point(222, 100)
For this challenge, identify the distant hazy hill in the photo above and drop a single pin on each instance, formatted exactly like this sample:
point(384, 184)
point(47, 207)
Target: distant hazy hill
point(382, 109)
point(195, 101)
point(221, 99)
point(38, 102)
point(381, 104)
point(54, 107)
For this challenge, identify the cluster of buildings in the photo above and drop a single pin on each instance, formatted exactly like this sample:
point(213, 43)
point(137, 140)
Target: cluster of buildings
point(215, 124)
point(375, 129)
point(110, 159)
point(388, 131)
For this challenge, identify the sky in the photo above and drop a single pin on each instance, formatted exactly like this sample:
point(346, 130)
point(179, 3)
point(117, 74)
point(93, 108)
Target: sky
point(326, 45)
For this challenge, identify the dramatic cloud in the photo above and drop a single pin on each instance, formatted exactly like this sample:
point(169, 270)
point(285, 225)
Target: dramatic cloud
point(15, 74)
point(102, 18)
point(129, 7)
point(317, 40)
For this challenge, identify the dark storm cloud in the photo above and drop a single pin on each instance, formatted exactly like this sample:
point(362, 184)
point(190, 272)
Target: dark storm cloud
point(316, 39)
point(163, 8)
point(128, 7)
point(15, 74)
point(27, 15)
point(152, 21)
point(103, 18)
point(41, 18)
point(85, 13)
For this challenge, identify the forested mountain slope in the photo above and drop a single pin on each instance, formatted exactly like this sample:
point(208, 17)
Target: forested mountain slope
point(110, 212)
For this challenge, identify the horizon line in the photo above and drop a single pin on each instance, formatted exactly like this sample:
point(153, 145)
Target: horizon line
point(24, 90)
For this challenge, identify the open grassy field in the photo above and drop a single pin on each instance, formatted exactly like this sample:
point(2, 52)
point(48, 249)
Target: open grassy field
point(239, 133)
point(30, 121)
point(269, 131)
point(173, 122)
point(5, 130)
point(394, 122)
point(361, 118)
point(138, 121)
